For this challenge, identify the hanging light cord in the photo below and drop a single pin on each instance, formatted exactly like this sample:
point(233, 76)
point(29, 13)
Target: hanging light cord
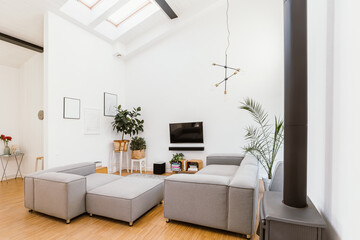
point(228, 28)
point(226, 67)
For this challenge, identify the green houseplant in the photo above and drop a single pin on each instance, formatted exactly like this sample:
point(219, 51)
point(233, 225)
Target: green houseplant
point(127, 122)
point(264, 140)
point(138, 146)
point(175, 162)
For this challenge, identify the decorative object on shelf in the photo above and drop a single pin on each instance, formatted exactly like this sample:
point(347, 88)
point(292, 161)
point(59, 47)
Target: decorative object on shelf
point(15, 149)
point(39, 159)
point(226, 67)
point(126, 122)
point(138, 146)
point(71, 108)
point(91, 121)
point(192, 166)
point(110, 104)
point(6, 140)
point(262, 142)
point(175, 162)
point(41, 115)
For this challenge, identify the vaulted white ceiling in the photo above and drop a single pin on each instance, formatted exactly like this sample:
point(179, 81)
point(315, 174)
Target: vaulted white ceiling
point(24, 19)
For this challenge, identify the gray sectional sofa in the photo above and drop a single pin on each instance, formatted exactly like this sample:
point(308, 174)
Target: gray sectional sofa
point(68, 191)
point(222, 195)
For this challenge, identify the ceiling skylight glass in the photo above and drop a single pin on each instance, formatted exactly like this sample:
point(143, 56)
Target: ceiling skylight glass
point(127, 17)
point(90, 3)
point(86, 11)
point(133, 9)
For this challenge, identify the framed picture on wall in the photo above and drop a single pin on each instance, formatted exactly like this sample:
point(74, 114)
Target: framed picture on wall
point(71, 108)
point(92, 121)
point(110, 104)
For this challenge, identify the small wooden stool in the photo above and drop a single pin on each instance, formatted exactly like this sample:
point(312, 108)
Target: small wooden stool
point(42, 163)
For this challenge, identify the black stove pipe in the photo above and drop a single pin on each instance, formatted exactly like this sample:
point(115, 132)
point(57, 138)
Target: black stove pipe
point(295, 133)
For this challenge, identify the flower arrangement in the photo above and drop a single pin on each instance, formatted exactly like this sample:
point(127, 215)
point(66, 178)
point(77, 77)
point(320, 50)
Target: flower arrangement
point(6, 139)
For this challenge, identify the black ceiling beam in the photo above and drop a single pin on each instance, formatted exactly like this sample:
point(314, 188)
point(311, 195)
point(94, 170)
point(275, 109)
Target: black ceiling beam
point(21, 43)
point(167, 9)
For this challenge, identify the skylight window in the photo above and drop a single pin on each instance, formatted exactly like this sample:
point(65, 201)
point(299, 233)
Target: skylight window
point(127, 17)
point(89, 3)
point(132, 10)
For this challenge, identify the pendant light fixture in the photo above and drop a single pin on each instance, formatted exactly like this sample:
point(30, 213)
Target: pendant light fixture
point(226, 67)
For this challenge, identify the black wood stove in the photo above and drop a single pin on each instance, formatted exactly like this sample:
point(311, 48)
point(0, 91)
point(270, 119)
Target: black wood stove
point(291, 215)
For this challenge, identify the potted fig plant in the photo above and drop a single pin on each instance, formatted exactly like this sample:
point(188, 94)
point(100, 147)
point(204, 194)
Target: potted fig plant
point(265, 140)
point(138, 146)
point(175, 162)
point(128, 123)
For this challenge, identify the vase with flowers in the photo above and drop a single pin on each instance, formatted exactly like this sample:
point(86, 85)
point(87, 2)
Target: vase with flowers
point(6, 140)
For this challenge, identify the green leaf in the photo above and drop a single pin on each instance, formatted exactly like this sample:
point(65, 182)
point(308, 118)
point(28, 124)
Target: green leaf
point(263, 143)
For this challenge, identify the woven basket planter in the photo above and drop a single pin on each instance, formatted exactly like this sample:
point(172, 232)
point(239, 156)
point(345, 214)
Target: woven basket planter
point(138, 154)
point(121, 145)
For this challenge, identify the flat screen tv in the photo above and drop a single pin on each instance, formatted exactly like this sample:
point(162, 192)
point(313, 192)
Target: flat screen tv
point(191, 132)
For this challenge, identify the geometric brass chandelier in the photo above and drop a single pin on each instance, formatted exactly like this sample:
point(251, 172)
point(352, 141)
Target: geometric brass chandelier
point(226, 67)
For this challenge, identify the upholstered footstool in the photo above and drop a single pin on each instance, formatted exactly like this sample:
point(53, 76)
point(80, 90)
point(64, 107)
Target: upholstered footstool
point(125, 199)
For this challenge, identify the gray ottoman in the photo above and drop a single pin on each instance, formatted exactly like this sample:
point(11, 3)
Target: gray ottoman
point(125, 199)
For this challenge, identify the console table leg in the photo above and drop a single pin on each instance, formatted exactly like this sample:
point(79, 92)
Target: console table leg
point(4, 168)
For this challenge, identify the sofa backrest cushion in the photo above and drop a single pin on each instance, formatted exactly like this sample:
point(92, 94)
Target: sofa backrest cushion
point(199, 178)
point(250, 159)
point(84, 168)
point(246, 177)
point(224, 159)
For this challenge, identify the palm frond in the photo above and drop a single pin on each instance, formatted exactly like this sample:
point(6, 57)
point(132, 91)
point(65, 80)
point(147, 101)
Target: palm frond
point(262, 142)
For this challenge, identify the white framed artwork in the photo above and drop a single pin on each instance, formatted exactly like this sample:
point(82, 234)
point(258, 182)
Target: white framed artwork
point(92, 121)
point(110, 104)
point(71, 108)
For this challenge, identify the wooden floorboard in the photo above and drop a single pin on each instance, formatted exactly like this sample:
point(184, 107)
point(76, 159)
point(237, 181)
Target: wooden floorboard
point(17, 223)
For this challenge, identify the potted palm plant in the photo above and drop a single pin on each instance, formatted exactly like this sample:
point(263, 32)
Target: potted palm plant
point(264, 140)
point(128, 123)
point(138, 146)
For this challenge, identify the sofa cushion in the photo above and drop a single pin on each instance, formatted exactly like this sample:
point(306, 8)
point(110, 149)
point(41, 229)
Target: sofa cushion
point(60, 195)
point(98, 179)
point(224, 159)
point(245, 177)
point(76, 168)
point(199, 179)
point(219, 170)
point(125, 199)
point(250, 159)
point(126, 188)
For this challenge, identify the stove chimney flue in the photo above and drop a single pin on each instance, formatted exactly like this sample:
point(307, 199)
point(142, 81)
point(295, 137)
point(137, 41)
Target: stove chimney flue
point(295, 142)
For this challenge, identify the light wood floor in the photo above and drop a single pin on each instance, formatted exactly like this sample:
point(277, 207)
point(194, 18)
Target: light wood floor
point(17, 223)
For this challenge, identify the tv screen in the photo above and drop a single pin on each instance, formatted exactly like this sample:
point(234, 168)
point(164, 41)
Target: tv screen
point(186, 132)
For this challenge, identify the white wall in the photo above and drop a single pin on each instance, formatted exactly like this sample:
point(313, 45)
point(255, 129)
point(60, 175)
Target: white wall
point(21, 98)
point(9, 108)
point(333, 111)
point(31, 101)
point(77, 65)
point(173, 80)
